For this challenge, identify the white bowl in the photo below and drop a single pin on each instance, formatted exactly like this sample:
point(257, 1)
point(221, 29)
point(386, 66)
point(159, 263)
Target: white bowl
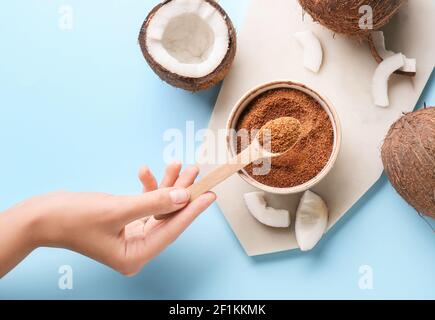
point(252, 94)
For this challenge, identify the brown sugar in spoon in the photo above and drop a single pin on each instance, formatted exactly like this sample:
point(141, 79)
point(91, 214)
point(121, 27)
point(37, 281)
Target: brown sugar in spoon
point(280, 135)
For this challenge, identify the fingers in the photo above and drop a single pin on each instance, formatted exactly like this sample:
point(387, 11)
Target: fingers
point(147, 179)
point(157, 202)
point(184, 180)
point(171, 178)
point(187, 177)
point(165, 233)
point(171, 174)
point(173, 227)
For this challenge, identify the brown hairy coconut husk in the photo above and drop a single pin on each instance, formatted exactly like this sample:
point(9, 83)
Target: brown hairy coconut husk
point(408, 155)
point(342, 16)
point(191, 83)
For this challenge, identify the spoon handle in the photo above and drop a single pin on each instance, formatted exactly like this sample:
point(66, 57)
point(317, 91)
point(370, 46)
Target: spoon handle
point(219, 174)
point(215, 177)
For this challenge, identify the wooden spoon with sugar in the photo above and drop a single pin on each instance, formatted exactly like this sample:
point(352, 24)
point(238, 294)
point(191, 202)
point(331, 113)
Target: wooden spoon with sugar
point(272, 140)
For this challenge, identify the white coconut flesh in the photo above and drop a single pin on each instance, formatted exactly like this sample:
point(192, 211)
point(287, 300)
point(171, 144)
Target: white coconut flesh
point(380, 79)
point(313, 53)
point(257, 206)
point(410, 65)
point(311, 220)
point(188, 37)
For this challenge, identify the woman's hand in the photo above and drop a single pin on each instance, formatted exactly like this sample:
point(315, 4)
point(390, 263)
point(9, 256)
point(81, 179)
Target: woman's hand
point(119, 231)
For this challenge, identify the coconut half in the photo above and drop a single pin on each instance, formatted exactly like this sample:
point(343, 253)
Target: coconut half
point(345, 16)
point(190, 44)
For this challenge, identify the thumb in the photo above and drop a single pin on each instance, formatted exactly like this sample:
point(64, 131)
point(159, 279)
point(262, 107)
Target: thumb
point(161, 201)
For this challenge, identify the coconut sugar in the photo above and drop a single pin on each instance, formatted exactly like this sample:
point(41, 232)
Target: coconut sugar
point(311, 152)
point(280, 134)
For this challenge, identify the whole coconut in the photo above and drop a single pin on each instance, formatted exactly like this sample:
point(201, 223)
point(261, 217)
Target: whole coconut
point(408, 155)
point(343, 16)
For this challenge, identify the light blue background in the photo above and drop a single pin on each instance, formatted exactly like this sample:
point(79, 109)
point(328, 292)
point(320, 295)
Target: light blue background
point(81, 110)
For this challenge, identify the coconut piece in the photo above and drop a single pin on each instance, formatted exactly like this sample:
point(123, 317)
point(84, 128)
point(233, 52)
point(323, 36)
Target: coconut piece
point(379, 52)
point(344, 16)
point(311, 220)
point(408, 156)
point(380, 79)
point(190, 44)
point(313, 54)
point(257, 206)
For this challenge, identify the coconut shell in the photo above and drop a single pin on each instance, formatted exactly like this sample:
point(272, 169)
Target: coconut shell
point(342, 16)
point(188, 83)
point(408, 155)
point(379, 59)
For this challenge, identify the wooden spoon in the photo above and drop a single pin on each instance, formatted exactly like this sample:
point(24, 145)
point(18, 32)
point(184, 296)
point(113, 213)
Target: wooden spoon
point(286, 127)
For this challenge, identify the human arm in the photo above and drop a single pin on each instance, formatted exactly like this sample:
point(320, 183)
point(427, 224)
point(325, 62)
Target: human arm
point(119, 231)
